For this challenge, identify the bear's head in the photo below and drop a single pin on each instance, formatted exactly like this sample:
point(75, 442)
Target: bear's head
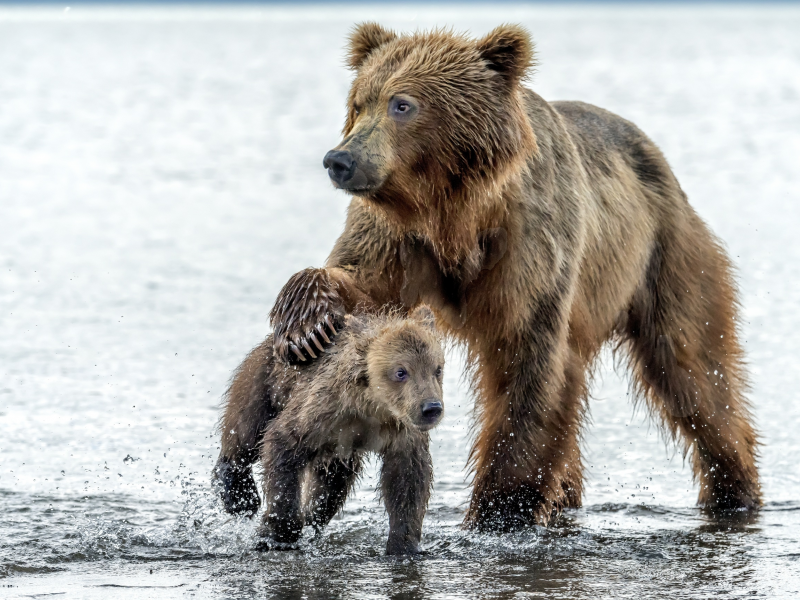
point(404, 362)
point(435, 120)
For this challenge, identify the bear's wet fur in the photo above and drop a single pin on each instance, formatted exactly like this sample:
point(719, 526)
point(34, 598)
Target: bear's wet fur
point(443, 141)
point(377, 389)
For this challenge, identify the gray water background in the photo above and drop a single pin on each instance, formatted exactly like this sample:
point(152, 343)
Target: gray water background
point(160, 179)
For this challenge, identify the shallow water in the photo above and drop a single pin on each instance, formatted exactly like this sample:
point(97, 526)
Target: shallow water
point(160, 179)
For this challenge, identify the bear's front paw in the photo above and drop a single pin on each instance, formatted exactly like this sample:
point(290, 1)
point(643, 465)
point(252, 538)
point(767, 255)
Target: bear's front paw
point(280, 531)
point(307, 314)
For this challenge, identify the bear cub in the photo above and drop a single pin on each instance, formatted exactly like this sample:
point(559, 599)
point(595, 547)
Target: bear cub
point(377, 389)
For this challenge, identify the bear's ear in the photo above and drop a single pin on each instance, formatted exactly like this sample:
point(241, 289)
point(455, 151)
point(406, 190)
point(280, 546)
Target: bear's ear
point(425, 316)
point(366, 38)
point(508, 50)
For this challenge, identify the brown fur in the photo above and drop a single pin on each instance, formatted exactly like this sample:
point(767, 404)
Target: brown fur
point(318, 421)
point(602, 246)
point(424, 281)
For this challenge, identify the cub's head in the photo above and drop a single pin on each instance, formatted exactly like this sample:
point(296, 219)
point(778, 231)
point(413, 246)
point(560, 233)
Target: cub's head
point(430, 113)
point(404, 370)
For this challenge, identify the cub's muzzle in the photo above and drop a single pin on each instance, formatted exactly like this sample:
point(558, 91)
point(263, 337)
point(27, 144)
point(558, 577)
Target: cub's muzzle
point(432, 411)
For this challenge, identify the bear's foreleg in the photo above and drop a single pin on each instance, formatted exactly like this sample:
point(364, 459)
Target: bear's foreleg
point(425, 282)
point(406, 479)
point(531, 400)
point(328, 487)
point(284, 464)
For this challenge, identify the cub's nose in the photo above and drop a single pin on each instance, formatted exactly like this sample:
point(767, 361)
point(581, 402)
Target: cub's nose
point(432, 410)
point(340, 164)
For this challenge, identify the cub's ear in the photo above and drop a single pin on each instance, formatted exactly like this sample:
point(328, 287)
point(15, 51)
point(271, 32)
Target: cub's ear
point(424, 315)
point(508, 50)
point(366, 38)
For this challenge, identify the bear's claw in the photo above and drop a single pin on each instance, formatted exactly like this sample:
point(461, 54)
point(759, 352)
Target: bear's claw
point(330, 324)
point(314, 339)
point(321, 331)
point(307, 305)
point(297, 352)
point(308, 348)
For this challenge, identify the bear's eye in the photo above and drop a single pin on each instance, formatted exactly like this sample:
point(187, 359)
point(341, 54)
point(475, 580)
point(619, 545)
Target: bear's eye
point(402, 108)
point(438, 372)
point(400, 374)
point(356, 109)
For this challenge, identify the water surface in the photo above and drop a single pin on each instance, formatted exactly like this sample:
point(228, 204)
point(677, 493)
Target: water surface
point(160, 179)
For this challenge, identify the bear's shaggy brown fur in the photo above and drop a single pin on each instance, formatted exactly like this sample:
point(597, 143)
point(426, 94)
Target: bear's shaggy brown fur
point(378, 389)
point(441, 142)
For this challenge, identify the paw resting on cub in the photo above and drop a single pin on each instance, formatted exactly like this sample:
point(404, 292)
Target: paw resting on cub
point(310, 308)
point(308, 312)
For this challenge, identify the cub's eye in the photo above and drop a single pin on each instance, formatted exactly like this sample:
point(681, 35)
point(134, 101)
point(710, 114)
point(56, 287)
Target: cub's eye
point(400, 374)
point(402, 108)
point(438, 372)
point(356, 109)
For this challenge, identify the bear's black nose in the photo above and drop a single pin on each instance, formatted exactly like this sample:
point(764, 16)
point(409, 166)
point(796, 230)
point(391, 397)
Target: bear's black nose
point(340, 165)
point(431, 410)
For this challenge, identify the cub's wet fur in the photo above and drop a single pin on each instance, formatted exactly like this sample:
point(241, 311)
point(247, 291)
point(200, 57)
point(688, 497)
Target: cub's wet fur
point(378, 389)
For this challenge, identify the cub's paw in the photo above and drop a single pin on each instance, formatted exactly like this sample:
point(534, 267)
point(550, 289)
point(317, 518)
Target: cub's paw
point(308, 312)
point(236, 487)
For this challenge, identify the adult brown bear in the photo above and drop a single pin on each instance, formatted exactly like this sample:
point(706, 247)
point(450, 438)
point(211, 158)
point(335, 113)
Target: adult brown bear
point(442, 142)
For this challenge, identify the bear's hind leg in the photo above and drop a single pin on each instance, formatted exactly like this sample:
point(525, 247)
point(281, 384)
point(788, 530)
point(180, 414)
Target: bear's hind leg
point(687, 363)
point(329, 485)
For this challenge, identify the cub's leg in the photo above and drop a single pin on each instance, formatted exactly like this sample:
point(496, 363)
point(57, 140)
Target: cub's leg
point(284, 464)
point(681, 328)
point(328, 487)
point(249, 406)
point(406, 479)
point(531, 403)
